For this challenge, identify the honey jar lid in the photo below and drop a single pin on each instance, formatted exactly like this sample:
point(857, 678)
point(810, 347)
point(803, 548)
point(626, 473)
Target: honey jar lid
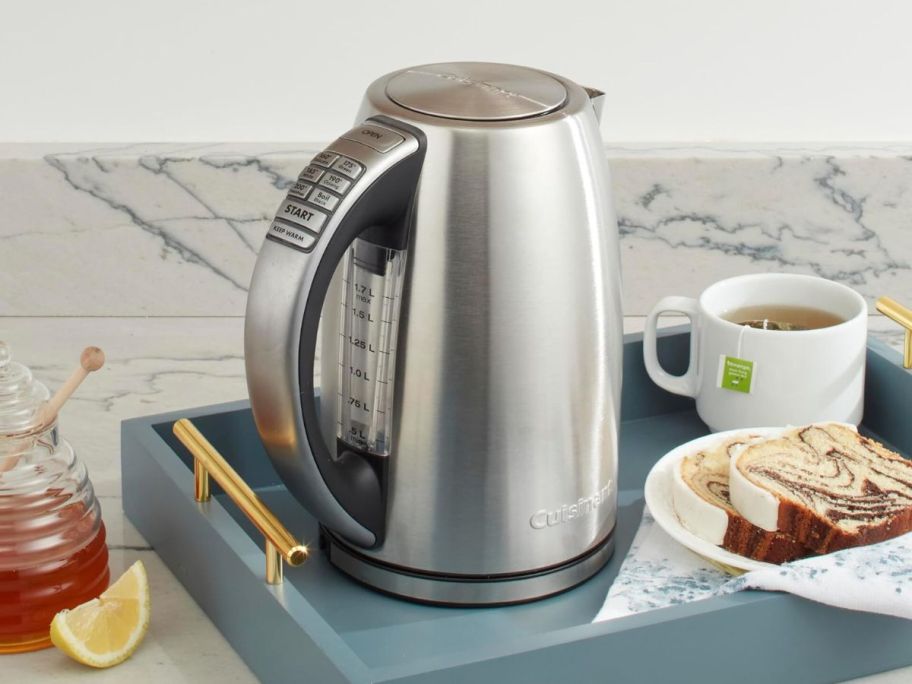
point(21, 396)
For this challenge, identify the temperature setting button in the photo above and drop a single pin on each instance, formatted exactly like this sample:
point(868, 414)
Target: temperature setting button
point(335, 183)
point(298, 214)
point(348, 167)
point(291, 235)
point(300, 189)
point(325, 158)
point(311, 173)
point(324, 199)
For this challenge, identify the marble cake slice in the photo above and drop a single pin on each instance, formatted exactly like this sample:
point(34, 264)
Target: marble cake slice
point(701, 502)
point(825, 485)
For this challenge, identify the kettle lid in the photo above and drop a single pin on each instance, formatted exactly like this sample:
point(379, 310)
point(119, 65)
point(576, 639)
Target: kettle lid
point(476, 91)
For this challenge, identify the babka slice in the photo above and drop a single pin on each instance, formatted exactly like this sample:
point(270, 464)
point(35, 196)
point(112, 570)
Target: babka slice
point(825, 485)
point(700, 498)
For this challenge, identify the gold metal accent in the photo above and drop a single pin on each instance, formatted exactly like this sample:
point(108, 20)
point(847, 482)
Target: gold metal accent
point(207, 461)
point(200, 481)
point(893, 309)
point(274, 573)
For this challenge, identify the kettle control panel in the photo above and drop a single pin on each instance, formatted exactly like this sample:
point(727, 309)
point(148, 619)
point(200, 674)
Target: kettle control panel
point(312, 198)
point(324, 183)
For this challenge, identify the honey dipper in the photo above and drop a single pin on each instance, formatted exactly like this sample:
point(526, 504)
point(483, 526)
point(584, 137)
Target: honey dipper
point(91, 359)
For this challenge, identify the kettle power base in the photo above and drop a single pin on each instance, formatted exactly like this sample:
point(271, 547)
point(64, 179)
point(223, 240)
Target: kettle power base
point(322, 626)
point(461, 591)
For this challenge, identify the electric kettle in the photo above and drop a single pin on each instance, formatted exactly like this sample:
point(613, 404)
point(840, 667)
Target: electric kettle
point(460, 246)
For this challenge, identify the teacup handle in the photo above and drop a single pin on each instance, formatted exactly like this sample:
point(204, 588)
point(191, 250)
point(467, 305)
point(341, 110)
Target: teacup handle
point(685, 385)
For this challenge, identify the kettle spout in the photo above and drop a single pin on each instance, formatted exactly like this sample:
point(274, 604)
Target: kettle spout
point(597, 98)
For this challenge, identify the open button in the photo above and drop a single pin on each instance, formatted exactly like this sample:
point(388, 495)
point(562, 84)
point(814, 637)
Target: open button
point(375, 137)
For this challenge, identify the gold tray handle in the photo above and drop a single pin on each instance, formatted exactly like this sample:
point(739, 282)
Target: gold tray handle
point(893, 309)
point(207, 461)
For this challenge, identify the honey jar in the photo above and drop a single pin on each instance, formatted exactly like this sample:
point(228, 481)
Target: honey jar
point(52, 540)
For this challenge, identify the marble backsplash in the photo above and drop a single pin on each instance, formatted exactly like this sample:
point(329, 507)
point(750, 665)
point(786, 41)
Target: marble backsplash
point(173, 230)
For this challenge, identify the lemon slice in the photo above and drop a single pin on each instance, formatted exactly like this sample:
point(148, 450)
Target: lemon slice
point(105, 631)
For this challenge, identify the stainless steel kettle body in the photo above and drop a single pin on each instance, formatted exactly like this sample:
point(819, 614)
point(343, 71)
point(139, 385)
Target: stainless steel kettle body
point(497, 477)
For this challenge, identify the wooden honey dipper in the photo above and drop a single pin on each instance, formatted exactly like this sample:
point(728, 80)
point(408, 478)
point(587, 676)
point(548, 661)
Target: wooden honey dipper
point(91, 359)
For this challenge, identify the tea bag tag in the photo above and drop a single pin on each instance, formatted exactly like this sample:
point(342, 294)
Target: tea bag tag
point(736, 374)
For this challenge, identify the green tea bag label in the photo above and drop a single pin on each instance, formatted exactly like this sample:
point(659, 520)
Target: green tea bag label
point(736, 374)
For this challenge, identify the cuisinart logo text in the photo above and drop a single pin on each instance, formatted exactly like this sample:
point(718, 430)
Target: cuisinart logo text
point(466, 81)
point(584, 506)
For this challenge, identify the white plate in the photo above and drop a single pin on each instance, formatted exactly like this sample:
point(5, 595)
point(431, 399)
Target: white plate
point(657, 492)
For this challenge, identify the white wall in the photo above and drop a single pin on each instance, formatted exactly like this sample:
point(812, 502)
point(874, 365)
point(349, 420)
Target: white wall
point(239, 70)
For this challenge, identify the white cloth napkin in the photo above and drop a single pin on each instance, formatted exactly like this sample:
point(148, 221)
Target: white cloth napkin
point(659, 572)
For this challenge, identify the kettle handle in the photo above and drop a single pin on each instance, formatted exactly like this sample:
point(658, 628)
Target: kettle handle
point(369, 177)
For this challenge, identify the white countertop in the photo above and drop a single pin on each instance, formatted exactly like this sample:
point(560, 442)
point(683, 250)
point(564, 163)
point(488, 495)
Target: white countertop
point(156, 365)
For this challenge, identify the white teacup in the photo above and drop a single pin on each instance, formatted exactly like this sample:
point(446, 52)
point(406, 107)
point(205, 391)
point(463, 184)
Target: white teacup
point(747, 377)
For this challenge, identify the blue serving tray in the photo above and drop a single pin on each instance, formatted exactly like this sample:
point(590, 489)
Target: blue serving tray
point(322, 627)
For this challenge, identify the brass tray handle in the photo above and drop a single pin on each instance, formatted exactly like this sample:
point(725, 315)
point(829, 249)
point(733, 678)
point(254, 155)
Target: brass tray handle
point(208, 462)
point(893, 309)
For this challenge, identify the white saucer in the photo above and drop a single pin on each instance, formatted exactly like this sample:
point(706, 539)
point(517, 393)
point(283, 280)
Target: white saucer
point(657, 492)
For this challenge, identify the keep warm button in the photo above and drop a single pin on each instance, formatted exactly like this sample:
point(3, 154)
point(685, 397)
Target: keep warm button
point(308, 218)
point(291, 236)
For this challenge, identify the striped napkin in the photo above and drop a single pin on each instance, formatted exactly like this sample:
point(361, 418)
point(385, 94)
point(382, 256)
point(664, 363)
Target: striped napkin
point(659, 572)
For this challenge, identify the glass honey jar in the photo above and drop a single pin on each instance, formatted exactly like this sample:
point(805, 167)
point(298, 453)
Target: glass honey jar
point(52, 540)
